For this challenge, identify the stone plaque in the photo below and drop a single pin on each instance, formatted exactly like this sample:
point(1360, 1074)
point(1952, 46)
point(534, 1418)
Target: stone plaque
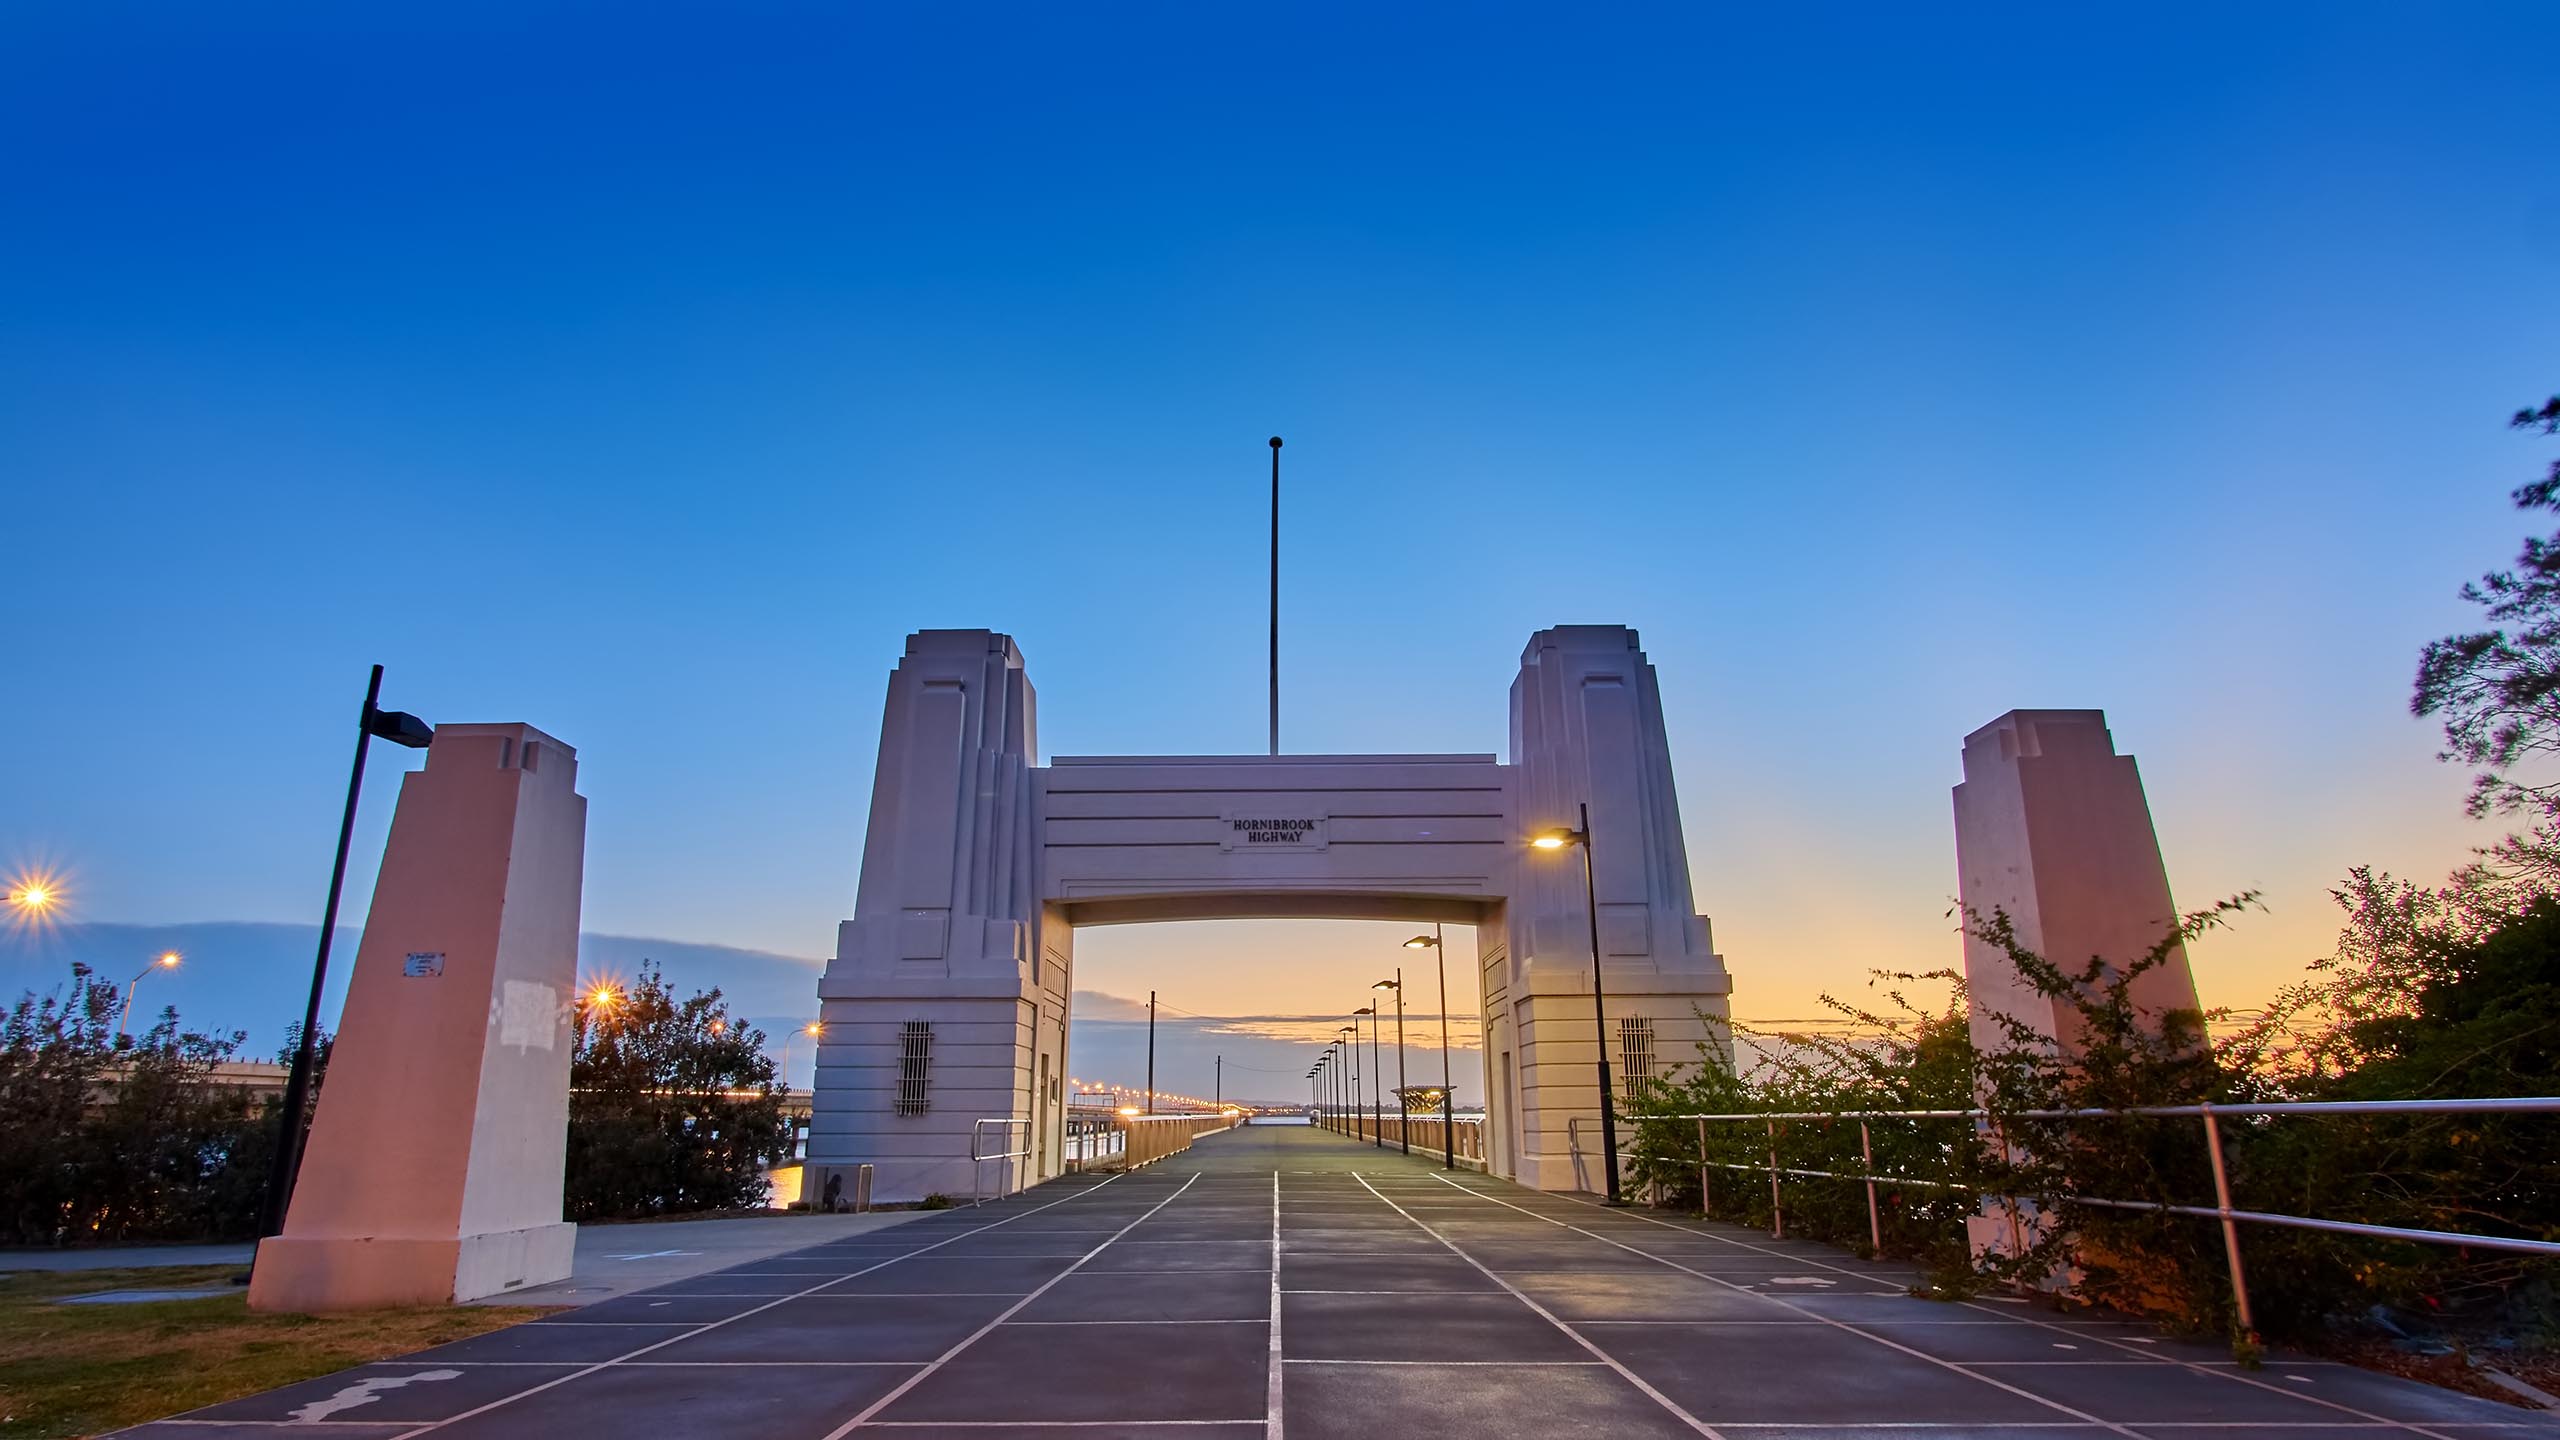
point(1271, 832)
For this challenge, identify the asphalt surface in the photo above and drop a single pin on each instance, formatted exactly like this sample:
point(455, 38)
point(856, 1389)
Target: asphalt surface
point(1279, 1280)
point(610, 1260)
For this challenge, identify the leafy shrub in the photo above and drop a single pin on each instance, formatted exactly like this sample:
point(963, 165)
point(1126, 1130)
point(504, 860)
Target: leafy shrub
point(673, 1106)
point(2431, 994)
point(117, 1138)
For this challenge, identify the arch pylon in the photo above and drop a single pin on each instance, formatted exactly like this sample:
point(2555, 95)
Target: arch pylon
point(948, 999)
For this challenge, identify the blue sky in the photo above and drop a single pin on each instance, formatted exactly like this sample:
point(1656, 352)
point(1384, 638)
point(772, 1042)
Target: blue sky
point(648, 372)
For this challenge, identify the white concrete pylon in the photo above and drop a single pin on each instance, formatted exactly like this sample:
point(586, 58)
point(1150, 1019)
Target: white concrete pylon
point(2052, 829)
point(434, 1169)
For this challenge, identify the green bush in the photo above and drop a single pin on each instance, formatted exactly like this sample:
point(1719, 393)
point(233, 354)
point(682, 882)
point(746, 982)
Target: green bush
point(2432, 994)
point(674, 1107)
point(121, 1138)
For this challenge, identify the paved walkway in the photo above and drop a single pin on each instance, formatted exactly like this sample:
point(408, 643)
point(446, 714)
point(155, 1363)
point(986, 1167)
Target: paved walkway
point(126, 1257)
point(611, 1259)
point(1281, 1281)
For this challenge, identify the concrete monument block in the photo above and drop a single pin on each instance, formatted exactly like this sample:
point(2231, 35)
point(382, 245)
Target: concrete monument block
point(433, 1172)
point(2052, 827)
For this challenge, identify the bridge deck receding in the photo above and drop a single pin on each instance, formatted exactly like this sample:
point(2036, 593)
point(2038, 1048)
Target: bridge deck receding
point(1278, 1280)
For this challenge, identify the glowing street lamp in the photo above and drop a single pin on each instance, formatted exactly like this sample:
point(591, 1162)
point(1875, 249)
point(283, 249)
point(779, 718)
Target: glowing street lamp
point(814, 1029)
point(1448, 1091)
point(35, 897)
point(1557, 840)
point(167, 960)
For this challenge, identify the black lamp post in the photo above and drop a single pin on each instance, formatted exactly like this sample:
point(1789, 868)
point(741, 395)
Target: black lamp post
point(1351, 1049)
point(1377, 1075)
point(400, 728)
point(1332, 1059)
point(1448, 1091)
point(1557, 840)
point(1404, 1140)
point(1333, 1079)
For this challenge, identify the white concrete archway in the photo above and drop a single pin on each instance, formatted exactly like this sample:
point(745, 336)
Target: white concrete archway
point(947, 1002)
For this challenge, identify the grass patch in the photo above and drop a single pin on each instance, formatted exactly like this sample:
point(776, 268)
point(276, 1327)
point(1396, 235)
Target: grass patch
point(72, 1370)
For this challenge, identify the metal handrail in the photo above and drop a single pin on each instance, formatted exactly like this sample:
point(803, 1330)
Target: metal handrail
point(1466, 1140)
point(2522, 1104)
point(2222, 1210)
point(977, 1159)
point(1091, 1137)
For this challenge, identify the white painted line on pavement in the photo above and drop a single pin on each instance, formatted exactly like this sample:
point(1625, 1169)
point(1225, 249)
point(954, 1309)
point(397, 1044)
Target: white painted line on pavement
point(1578, 1338)
point(945, 1358)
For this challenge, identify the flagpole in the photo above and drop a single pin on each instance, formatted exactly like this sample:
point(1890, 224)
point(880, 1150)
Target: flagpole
point(1275, 595)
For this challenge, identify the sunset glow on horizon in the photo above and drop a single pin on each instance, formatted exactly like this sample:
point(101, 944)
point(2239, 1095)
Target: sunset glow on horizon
point(1882, 388)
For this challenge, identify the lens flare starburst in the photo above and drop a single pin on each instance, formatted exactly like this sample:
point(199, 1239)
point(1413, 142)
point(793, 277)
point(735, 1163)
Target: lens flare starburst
point(33, 899)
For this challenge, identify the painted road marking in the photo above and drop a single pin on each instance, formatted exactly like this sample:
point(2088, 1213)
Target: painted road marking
point(365, 1392)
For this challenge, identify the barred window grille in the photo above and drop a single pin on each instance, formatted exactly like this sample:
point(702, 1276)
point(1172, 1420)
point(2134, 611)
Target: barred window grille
point(915, 1066)
point(1635, 1053)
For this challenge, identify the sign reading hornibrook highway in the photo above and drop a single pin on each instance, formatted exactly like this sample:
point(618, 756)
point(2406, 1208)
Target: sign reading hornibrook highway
point(1271, 832)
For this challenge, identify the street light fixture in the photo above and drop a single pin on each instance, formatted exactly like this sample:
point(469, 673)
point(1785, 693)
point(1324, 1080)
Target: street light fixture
point(372, 722)
point(1351, 1050)
point(1333, 1078)
point(1558, 839)
point(1448, 1092)
point(1404, 1117)
point(814, 1029)
point(167, 960)
point(1377, 1075)
point(1332, 1081)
